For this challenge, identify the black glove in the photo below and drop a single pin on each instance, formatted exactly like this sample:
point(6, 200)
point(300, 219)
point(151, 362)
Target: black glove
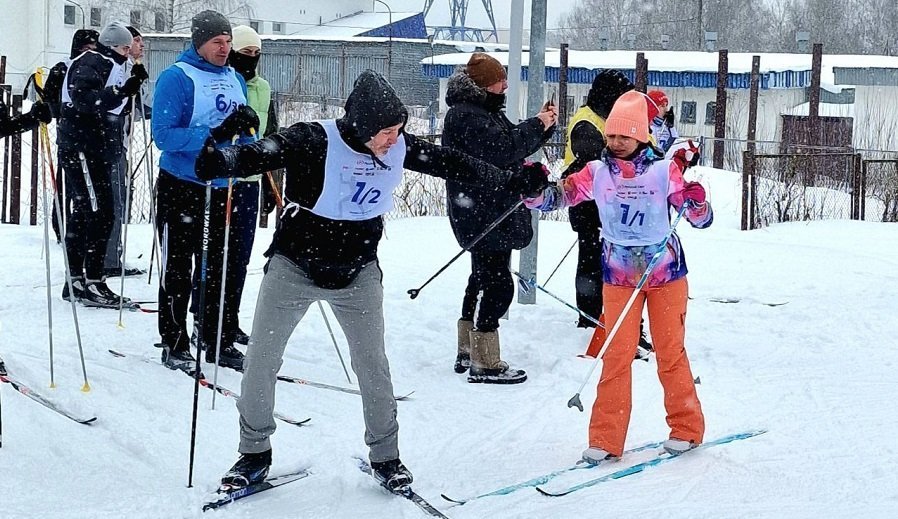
point(530, 181)
point(669, 118)
point(213, 163)
point(606, 88)
point(269, 201)
point(131, 86)
point(40, 111)
point(240, 121)
point(140, 72)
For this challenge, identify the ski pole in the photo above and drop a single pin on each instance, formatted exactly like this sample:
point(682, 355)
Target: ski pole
point(90, 185)
point(525, 284)
point(413, 293)
point(575, 400)
point(151, 188)
point(125, 216)
point(334, 339)
point(199, 343)
point(2, 372)
point(38, 80)
point(45, 136)
point(546, 282)
point(221, 297)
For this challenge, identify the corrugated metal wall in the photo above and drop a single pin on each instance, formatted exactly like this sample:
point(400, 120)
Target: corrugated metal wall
point(788, 79)
point(327, 68)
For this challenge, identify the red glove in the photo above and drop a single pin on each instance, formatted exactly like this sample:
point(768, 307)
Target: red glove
point(693, 194)
point(686, 156)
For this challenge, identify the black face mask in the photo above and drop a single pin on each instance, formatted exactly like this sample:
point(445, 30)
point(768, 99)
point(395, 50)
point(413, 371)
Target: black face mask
point(494, 102)
point(243, 64)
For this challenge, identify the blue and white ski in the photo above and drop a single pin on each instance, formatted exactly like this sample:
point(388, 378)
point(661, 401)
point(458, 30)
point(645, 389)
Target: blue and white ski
point(545, 478)
point(227, 495)
point(406, 492)
point(639, 467)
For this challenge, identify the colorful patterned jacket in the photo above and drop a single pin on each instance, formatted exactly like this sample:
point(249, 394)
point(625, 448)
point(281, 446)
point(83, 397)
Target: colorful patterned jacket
point(633, 198)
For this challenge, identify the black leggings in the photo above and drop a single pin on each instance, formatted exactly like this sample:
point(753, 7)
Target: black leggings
point(490, 289)
point(588, 283)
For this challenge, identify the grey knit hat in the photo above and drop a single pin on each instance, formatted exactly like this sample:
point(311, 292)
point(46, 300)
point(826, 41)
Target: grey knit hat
point(207, 25)
point(115, 34)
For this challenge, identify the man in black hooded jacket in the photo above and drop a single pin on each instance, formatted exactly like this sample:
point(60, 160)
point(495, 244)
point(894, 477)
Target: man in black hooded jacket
point(83, 41)
point(340, 180)
point(96, 93)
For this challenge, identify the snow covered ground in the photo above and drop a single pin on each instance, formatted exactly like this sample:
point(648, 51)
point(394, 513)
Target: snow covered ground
point(817, 372)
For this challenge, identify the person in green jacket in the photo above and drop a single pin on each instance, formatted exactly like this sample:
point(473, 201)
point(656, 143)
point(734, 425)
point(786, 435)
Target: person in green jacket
point(246, 49)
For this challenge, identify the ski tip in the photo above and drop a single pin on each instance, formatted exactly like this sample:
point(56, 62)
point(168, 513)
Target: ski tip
point(405, 396)
point(547, 493)
point(89, 421)
point(116, 353)
point(456, 501)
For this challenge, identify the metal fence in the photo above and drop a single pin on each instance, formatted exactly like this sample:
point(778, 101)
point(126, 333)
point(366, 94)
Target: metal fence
point(818, 185)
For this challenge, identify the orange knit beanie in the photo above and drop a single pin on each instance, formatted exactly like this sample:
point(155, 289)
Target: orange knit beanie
point(629, 117)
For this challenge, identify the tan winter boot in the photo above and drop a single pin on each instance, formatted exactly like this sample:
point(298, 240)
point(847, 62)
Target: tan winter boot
point(486, 366)
point(463, 359)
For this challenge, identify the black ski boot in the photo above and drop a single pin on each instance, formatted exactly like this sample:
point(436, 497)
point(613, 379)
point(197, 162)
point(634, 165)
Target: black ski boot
point(230, 357)
point(250, 469)
point(644, 348)
point(77, 288)
point(98, 294)
point(129, 271)
point(241, 337)
point(179, 360)
point(392, 474)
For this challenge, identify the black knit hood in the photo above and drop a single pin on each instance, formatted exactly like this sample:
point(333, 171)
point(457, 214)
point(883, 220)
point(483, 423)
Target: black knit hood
point(371, 106)
point(81, 38)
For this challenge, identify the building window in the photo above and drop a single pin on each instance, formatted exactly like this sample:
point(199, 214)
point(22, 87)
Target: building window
point(135, 19)
point(277, 27)
point(710, 112)
point(68, 14)
point(159, 24)
point(255, 25)
point(687, 112)
point(96, 17)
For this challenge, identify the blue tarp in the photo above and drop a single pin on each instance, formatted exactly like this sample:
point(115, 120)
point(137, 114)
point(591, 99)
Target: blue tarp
point(411, 27)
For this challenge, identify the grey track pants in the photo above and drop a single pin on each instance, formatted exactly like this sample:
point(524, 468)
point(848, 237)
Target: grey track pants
point(285, 296)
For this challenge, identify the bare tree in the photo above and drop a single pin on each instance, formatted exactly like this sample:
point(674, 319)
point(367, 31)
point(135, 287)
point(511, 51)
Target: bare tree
point(178, 13)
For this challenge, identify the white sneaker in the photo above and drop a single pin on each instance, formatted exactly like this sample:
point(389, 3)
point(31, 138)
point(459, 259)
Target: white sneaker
point(676, 447)
point(595, 455)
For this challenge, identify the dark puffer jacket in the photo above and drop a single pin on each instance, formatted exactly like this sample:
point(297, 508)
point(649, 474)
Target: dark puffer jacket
point(86, 123)
point(476, 125)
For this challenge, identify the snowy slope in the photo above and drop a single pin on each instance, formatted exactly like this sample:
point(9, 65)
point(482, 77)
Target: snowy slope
point(818, 372)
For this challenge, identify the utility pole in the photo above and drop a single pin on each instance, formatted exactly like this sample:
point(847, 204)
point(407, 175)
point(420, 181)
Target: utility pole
point(515, 42)
point(701, 26)
point(536, 72)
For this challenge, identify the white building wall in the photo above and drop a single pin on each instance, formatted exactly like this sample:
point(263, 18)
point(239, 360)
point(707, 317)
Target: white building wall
point(876, 117)
point(298, 14)
point(32, 34)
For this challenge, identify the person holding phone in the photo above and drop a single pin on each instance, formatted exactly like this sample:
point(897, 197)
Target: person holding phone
point(477, 125)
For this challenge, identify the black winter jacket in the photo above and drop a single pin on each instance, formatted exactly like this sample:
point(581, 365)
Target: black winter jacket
point(476, 125)
point(85, 123)
point(304, 237)
point(16, 124)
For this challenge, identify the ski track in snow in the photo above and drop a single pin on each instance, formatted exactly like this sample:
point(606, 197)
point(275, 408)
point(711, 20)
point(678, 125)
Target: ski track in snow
point(818, 373)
